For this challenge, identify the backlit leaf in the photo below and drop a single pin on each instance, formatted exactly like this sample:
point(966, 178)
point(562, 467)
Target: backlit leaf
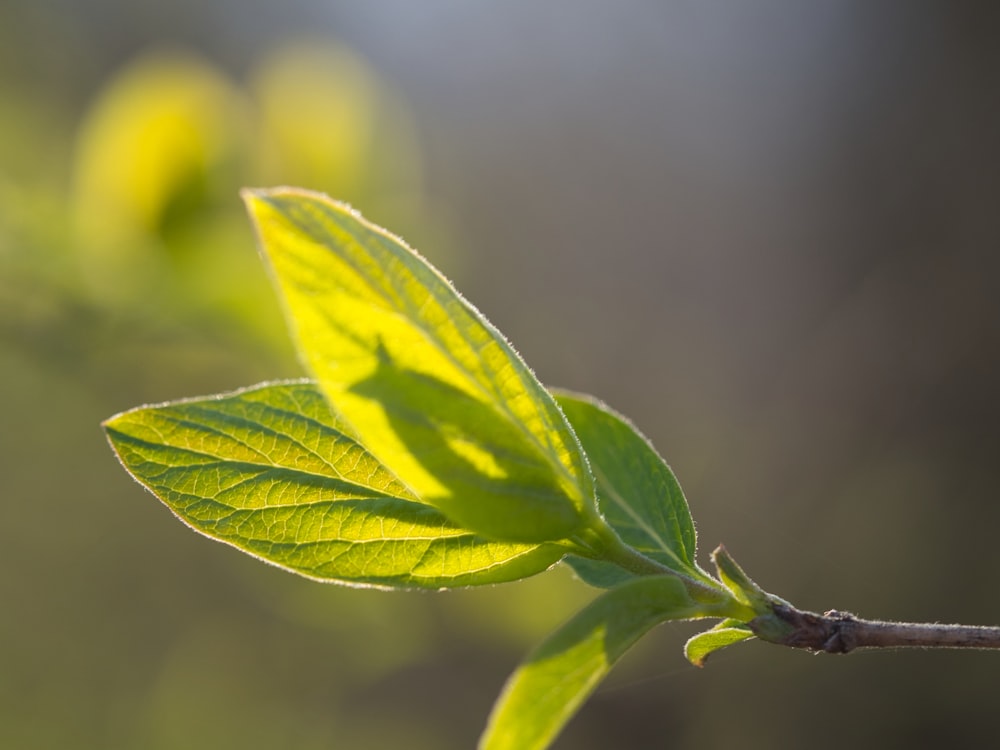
point(426, 383)
point(270, 471)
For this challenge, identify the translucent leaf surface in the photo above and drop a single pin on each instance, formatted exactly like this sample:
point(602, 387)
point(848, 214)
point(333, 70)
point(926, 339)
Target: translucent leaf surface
point(269, 470)
point(426, 383)
point(726, 633)
point(638, 494)
point(555, 680)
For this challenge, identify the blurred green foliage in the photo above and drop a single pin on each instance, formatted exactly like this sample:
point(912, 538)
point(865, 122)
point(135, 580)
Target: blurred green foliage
point(128, 273)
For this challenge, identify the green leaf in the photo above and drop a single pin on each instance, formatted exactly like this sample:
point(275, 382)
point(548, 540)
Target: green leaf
point(599, 573)
point(270, 471)
point(554, 681)
point(726, 633)
point(637, 492)
point(426, 383)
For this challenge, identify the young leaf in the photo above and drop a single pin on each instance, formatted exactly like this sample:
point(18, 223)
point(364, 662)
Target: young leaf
point(270, 471)
point(426, 383)
point(553, 682)
point(638, 493)
point(743, 588)
point(726, 633)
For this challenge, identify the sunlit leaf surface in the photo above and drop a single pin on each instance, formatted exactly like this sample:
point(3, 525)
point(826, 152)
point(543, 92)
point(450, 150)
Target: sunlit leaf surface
point(270, 470)
point(426, 383)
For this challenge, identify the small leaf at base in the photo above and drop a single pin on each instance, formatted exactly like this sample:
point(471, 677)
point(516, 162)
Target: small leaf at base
point(701, 646)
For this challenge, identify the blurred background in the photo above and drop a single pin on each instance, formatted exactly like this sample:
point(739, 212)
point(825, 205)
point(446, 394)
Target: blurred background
point(766, 231)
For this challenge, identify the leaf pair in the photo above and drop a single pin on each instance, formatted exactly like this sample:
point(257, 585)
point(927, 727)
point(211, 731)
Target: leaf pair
point(424, 453)
point(442, 462)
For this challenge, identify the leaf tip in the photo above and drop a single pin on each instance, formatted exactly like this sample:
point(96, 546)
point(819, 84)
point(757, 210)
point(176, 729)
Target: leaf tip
point(108, 425)
point(284, 199)
point(253, 197)
point(696, 657)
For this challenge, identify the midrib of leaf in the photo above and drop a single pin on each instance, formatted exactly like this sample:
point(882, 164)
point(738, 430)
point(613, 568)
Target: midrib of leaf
point(457, 535)
point(366, 495)
point(453, 533)
point(442, 573)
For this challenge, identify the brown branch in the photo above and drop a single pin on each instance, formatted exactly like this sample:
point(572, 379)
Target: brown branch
point(841, 632)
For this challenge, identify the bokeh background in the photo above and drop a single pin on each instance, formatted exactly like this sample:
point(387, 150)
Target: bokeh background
point(768, 231)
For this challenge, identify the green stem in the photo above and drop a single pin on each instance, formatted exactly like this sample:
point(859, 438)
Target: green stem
point(601, 542)
point(629, 558)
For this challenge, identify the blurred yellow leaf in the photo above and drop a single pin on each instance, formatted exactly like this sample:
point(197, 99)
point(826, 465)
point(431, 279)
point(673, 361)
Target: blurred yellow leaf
point(166, 125)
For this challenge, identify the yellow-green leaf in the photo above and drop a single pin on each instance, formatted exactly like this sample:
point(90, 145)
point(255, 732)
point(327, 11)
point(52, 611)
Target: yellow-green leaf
point(269, 470)
point(425, 382)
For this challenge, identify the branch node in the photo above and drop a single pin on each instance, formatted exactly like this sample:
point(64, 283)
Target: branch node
point(842, 629)
point(833, 632)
